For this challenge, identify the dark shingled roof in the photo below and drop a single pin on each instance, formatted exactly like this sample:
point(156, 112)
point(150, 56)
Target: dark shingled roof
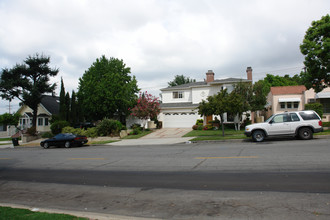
point(51, 103)
point(196, 84)
point(178, 105)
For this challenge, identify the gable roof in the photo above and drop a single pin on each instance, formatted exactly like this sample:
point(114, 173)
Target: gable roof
point(51, 103)
point(283, 90)
point(204, 83)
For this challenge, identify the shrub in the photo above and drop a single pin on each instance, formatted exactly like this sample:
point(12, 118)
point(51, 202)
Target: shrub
point(326, 124)
point(317, 107)
point(194, 127)
point(199, 127)
point(199, 121)
point(57, 126)
point(31, 131)
point(68, 129)
point(136, 131)
point(133, 126)
point(207, 127)
point(47, 135)
point(91, 132)
point(108, 127)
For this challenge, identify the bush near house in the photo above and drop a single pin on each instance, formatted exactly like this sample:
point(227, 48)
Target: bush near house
point(57, 126)
point(108, 127)
point(90, 132)
point(317, 107)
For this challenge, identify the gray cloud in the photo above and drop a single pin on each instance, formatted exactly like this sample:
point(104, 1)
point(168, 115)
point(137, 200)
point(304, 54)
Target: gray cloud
point(159, 39)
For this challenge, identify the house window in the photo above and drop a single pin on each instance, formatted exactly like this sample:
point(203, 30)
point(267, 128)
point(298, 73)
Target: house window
point(289, 105)
point(40, 121)
point(46, 122)
point(177, 95)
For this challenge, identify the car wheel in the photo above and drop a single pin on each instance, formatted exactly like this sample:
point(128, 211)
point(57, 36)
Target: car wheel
point(46, 145)
point(305, 133)
point(258, 136)
point(67, 144)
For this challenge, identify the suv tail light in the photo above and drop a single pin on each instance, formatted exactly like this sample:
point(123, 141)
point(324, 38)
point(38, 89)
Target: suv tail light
point(320, 123)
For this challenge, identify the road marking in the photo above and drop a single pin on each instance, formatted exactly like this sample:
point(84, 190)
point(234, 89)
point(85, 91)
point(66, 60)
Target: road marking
point(86, 158)
point(241, 157)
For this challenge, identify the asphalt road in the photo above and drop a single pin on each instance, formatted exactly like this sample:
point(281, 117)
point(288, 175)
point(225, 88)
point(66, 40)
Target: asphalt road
point(287, 179)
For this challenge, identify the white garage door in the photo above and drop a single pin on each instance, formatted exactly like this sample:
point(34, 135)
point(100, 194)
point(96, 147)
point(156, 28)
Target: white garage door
point(179, 120)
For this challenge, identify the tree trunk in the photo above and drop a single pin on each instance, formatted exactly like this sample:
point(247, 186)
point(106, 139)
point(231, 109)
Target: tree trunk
point(222, 125)
point(34, 117)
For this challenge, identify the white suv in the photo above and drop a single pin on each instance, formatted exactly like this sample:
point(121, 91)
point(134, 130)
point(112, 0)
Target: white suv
point(300, 124)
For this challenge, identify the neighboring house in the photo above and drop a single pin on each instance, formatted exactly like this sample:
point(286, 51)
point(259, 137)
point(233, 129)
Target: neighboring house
point(294, 98)
point(179, 103)
point(48, 107)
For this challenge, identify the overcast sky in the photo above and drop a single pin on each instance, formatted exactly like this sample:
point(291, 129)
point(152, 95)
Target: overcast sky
point(158, 39)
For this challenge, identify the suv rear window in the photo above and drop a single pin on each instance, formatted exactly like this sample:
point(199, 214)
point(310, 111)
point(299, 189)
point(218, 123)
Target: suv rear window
point(309, 116)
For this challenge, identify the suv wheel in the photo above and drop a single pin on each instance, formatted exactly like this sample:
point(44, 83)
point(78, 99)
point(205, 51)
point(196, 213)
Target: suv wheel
point(258, 136)
point(305, 133)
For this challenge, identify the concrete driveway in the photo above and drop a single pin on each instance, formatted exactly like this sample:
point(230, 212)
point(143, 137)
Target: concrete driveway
point(159, 137)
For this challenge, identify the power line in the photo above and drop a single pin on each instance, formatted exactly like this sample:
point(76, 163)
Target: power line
point(282, 70)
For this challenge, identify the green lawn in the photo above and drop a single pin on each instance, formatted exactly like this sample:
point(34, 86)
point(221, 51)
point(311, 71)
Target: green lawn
point(137, 136)
point(103, 142)
point(22, 214)
point(5, 139)
point(201, 135)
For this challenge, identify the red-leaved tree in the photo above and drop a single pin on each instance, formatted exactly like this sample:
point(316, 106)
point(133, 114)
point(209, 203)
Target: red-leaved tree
point(147, 107)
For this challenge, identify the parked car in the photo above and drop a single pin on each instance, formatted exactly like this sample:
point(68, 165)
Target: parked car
point(64, 139)
point(300, 124)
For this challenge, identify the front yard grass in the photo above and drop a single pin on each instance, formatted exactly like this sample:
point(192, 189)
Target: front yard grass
point(102, 142)
point(13, 213)
point(137, 136)
point(202, 135)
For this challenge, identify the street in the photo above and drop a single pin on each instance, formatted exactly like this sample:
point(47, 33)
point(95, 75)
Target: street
point(276, 179)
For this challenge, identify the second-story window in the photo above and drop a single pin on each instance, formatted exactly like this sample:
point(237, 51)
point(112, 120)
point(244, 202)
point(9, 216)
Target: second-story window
point(177, 95)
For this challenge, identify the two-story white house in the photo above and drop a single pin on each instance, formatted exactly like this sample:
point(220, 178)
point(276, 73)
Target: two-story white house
point(179, 103)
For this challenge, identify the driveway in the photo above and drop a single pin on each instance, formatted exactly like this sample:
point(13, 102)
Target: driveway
point(159, 137)
point(167, 133)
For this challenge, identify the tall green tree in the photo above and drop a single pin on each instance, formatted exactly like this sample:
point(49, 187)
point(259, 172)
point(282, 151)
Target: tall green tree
point(240, 101)
point(315, 48)
point(73, 109)
point(107, 90)
point(180, 80)
point(28, 82)
point(67, 107)
point(216, 105)
point(259, 98)
point(9, 119)
point(62, 102)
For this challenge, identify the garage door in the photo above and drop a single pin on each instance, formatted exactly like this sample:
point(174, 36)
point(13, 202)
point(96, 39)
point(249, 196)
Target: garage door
point(180, 120)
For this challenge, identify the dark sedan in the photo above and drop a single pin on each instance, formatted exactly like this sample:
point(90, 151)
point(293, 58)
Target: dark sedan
point(66, 139)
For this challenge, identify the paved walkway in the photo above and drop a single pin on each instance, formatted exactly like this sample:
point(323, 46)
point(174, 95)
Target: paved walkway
point(159, 137)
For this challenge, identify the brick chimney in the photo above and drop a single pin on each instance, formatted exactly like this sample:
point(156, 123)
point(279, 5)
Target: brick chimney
point(249, 73)
point(209, 76)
